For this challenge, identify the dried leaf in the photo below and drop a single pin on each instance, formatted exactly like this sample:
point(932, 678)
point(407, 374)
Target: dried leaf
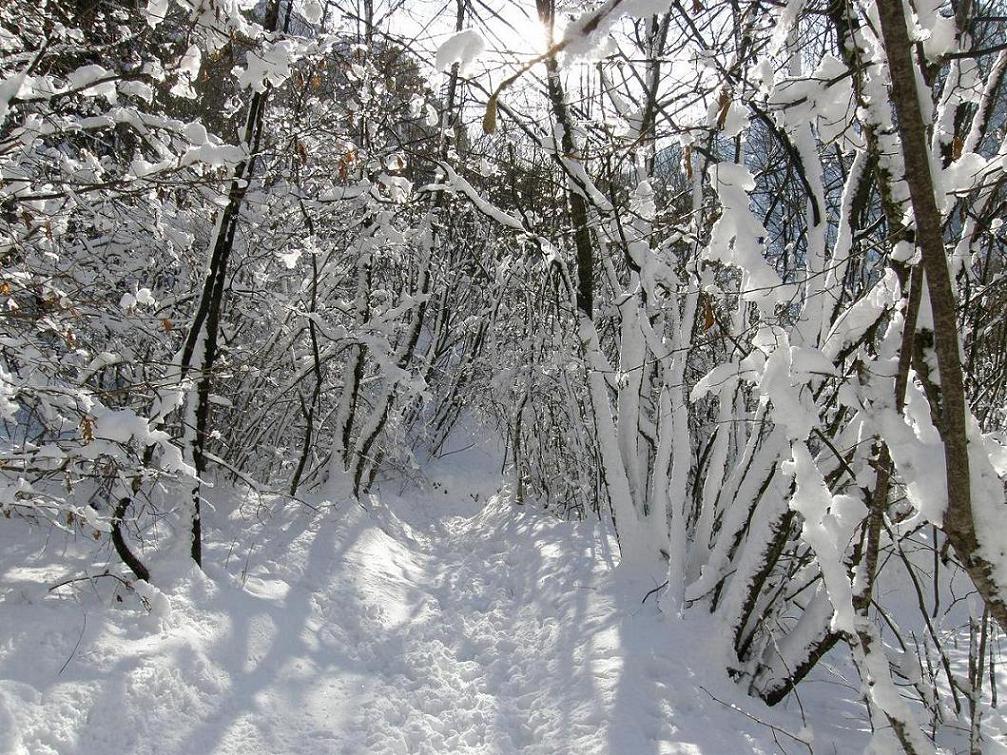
point(725, 107)
point(708, 318)
point(87, 429)
point(490, 119)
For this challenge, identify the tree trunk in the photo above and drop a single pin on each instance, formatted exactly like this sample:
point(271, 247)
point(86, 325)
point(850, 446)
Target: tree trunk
point(200, 349)
point(959, 522)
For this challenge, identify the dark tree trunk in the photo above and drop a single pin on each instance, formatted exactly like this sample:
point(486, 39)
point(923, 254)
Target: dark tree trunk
point(206, 321)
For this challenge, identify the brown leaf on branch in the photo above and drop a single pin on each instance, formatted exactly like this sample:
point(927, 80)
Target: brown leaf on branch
point(87, 429)
point(490, 119)
point(725, 106)
point(709, 320)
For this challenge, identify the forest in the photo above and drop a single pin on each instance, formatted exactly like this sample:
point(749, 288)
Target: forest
point(503, 376)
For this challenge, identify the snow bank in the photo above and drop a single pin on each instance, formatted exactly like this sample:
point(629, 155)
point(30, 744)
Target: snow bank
point(430, 624)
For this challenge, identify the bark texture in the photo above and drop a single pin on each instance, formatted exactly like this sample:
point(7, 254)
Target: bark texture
point(959, 522)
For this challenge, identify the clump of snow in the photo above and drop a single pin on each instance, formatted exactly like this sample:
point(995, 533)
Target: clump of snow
point(8, 392)
point(187, 71)
point(940, 37)
point(214, 155)
point(463, 48)
point(157, 602)
point(269, 64)
point(93, 80)
point(641, 201)
point(156, 11)
point(196, 133)
point(855, 321)
point(738, 237)
point(312, 11)
point(813, 501)
point(824, 98)
point(918, 453)
point(142, 297)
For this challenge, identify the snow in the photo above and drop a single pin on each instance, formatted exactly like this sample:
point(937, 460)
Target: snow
point(855, 321)
point(825, 98)
point(142, 297)
point(813, 501)
point(736, 120)
point(93, 80)
point(463, 48)
point(446, 621)
point(156, 11)
point(737, 237)
point(988, 498)
point(270, 65)
point(918, 453)
point(86, 75)
point(313, 11)
point(187, 72)
point(136, 89)
point(196, 133)
point(962, 176)
point(941, 38)
point(455, 183)
point(214, 154)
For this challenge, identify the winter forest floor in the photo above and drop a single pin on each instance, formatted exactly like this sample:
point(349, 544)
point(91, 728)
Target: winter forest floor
point(444, 622)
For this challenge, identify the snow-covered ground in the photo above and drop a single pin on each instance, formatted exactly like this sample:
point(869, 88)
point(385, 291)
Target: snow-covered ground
point(445, 622)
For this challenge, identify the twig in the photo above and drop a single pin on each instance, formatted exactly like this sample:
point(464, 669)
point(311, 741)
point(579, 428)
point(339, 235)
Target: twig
point(656, 589)
point(75, 647)
point(795, 737)
point(90, 578)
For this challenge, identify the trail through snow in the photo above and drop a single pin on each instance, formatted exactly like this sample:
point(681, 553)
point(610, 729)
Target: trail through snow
point(410, 627)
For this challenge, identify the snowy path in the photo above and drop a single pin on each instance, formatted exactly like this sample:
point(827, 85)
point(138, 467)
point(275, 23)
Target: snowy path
point(399, 630)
